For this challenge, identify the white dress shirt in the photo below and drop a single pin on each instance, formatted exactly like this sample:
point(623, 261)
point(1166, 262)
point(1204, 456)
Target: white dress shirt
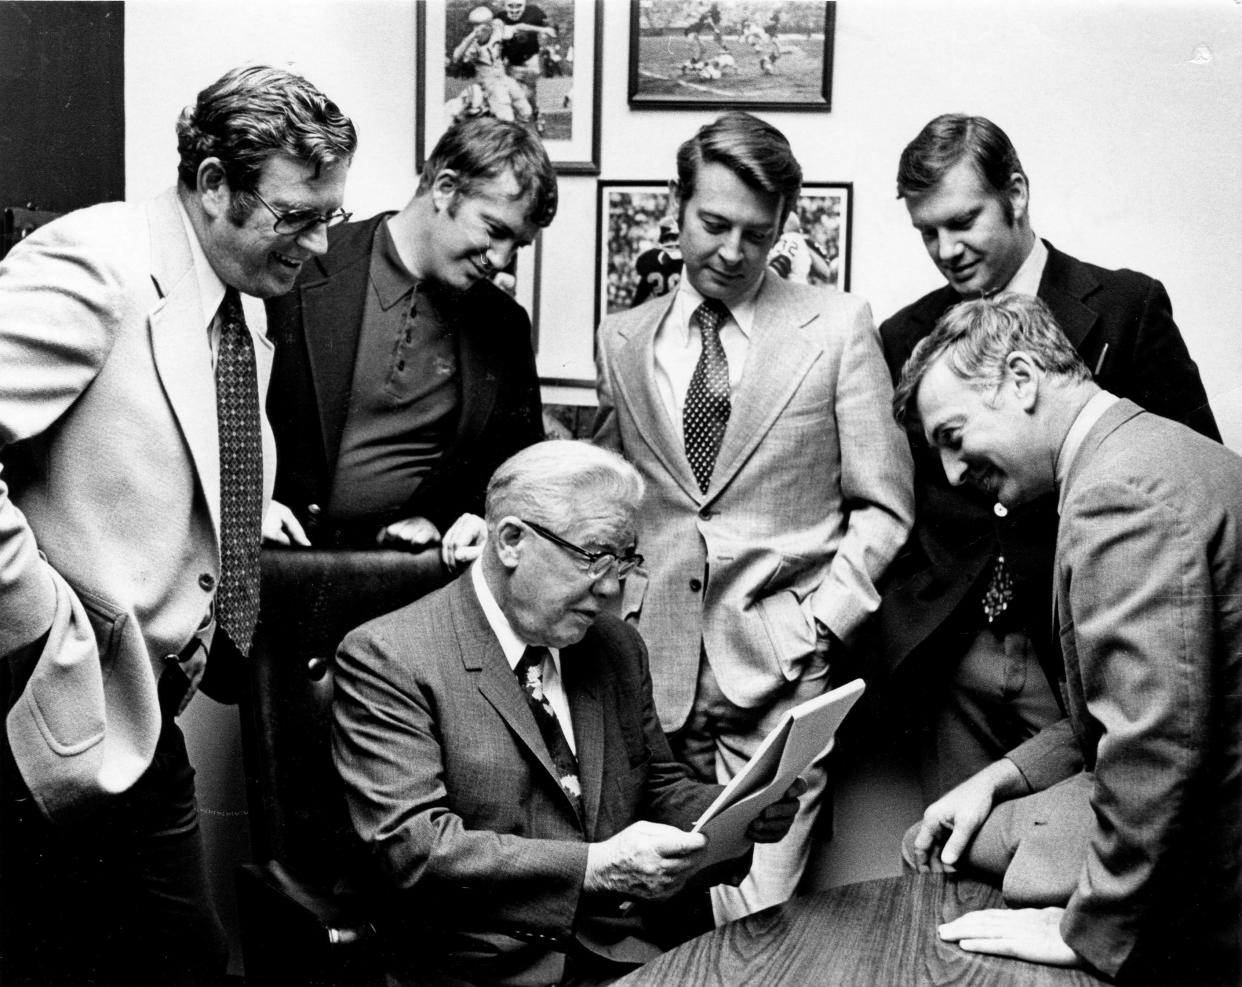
point(678, 343)
point(1091, 413)
point(514, 647)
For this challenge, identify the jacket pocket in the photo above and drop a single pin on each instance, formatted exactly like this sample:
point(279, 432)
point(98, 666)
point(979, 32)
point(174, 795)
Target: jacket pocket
point(67, 685)
point(789, 632)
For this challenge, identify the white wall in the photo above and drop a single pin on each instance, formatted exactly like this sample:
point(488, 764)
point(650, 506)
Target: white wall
point(1132, 143)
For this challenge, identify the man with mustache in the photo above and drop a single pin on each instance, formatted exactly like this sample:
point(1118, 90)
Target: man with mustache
point(965, 613)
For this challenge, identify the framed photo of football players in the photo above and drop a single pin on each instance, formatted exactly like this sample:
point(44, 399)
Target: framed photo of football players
point(742, 54)
point(817, 243)
point(640, 258)
point(536, 61)
point(636, 245)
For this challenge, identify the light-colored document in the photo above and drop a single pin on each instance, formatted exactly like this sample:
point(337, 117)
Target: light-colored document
point(802, 735)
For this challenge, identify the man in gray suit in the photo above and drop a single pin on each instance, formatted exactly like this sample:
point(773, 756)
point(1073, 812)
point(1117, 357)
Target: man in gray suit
point(1123, 821)
point(136, 466)
point(501, 754)
point(778, 487)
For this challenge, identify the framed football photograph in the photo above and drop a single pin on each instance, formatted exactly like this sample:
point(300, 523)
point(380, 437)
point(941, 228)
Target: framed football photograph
point(538, 63)
point(745, 54)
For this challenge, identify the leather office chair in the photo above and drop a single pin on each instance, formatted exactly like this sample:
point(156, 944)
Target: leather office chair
point(19, 222)
point(300, 922)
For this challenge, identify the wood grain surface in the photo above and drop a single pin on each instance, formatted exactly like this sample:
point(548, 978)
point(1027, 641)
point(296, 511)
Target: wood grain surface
point(871, 934)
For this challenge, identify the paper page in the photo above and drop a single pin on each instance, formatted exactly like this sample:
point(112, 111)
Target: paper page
point(801, 736)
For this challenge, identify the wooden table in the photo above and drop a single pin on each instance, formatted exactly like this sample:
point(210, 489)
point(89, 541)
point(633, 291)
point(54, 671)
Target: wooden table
point(873, 934)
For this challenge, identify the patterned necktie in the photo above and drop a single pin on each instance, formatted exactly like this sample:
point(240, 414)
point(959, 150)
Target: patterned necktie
point(529, 672)
point(706, 412)
point(241, 476)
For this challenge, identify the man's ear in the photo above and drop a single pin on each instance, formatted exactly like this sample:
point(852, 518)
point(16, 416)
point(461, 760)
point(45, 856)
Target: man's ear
point(1018, 193)
point(1023, 375)
point(444, 190)
point(212, 186)
point(510, 538)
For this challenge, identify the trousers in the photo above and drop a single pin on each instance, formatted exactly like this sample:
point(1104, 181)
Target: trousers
point(118, 896)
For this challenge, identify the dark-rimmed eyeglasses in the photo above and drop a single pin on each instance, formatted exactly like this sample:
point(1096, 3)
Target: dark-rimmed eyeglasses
point(597, 563)
point(300, 220)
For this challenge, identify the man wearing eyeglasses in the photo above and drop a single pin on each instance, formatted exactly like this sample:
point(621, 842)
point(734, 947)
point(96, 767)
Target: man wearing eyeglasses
point(403, 377)
point(136, 466)
point(501, 752)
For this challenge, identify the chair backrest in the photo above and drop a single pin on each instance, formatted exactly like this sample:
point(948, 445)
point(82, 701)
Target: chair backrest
point(19, 222)
point(310, 600)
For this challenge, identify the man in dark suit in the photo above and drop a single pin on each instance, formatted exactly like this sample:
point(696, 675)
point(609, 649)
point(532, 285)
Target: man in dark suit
point(402, 375)
point(968, 597)
point(1123, 820)
point(501, 752)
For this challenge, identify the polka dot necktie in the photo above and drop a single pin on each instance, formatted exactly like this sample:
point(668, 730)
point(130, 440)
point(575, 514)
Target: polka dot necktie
point(706, 412)
point(241, 476)
point(529, 672)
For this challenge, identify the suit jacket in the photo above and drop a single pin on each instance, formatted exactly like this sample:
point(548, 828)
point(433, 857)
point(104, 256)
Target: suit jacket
point(809, 499)
point(450, 783)
point(316, 328)
point(1149, 610)
point(109, 528)
point(1121, 323)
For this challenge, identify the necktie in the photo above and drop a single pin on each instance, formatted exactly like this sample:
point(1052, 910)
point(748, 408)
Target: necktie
point(241, 476)
point(706, 412)
point(529, 672)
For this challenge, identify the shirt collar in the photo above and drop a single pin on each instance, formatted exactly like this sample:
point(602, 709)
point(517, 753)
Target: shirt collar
point(1026, 278)
point(392, 279)
point(1091, 413)
point(210, 287)
point(688, 299)
point(512, 645)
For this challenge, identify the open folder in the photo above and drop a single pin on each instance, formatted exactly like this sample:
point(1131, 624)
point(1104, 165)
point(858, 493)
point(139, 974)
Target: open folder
point(802, 735)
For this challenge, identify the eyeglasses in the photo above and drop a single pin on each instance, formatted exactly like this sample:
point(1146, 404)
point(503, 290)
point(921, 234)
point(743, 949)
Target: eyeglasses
point(598, 563)
point(300, 220)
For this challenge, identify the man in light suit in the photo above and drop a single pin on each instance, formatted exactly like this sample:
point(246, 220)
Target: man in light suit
point(778, 488)
point(1124, 819)
point(403, 377)
point(526, 824)
point(136, 466)
point(964, 617)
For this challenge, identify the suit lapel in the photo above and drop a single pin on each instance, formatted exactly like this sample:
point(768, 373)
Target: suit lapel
point(332, 311)
point(180, 345)
point(635, 380)
point(779, 358)
point(1063, 288)
point(483, 658)
point(587, 711)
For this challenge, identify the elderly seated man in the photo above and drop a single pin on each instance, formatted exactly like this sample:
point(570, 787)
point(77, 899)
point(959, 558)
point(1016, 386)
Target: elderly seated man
point(1122, 822)
point(501, 753)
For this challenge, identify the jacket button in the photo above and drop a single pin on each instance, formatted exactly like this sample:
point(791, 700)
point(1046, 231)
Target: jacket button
point(706, 514)
point(313, 510)
point(695, 585)
point(207, 581)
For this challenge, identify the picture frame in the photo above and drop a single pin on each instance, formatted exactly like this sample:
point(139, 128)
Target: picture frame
point(566, 84)
point(628, 224)
point(741, 54)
